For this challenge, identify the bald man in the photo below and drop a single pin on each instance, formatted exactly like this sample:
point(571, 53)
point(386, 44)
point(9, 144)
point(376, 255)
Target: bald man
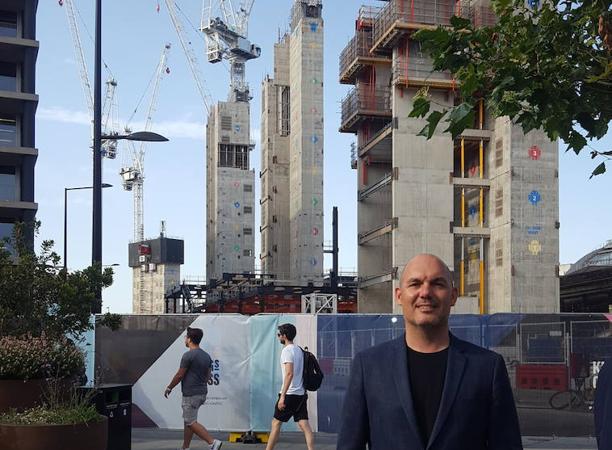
point(428, 389)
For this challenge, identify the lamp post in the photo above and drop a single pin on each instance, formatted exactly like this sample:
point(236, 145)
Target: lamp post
point(104, 185)
point(146, 136)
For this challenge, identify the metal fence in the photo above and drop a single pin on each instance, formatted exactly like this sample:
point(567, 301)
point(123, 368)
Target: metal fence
point(552, 362)
point(366, 99)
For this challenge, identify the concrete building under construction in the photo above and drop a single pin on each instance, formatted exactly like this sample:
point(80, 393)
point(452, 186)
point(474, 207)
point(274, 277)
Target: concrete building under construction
point(292, 152)
point(486, 202)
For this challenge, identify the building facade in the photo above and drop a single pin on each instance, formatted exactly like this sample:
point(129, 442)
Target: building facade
point(486, 202)
point(18, 102)
point(230, 196)
point(292, 152)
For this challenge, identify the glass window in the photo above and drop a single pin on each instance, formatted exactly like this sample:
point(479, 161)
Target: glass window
point(8, 131)
point(8, 24)
point(8, 183)
point(6, 231)
point(8, 77)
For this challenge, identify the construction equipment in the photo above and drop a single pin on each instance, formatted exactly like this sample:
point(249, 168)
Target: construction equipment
point(190, 55)
point(133, 176)
point(226, 33)
point(109, 147)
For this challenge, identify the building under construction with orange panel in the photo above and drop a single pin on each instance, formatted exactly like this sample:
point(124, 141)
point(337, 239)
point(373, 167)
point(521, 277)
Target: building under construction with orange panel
point(486, 202)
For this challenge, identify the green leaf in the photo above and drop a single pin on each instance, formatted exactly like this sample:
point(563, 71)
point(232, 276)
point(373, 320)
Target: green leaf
point(600, 169)
point(432, 122)
point(576, 142)
point(420, 107)
point(460, 118)
point(459, 23)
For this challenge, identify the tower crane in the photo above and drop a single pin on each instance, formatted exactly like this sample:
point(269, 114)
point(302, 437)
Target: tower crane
point(109, 147)
point(226, 32)
point(133, 176)
point(189, 54)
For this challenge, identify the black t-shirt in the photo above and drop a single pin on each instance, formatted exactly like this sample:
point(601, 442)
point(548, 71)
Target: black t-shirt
point(427, 372)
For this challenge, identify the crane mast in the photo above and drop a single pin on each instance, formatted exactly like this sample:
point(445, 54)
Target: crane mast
point(133, 176)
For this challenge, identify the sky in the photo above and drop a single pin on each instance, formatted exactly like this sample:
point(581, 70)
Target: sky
point(133, 35)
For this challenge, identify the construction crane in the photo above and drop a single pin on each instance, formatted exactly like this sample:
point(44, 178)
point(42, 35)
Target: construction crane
point(226, 32)
point(133, 176)
point(189, 54)
point(109, 147)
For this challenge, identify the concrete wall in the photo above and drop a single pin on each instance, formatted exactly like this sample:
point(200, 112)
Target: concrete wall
point(155, 282)
point(230, 229)
point(274, 173)
point(307, 142)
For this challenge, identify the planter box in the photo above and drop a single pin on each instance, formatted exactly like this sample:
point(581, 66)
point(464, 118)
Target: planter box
point(20, 394)
point(91, 436)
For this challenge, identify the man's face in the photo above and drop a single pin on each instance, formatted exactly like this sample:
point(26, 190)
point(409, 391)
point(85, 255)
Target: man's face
point(187, 340)
point(281, 337)
point(426, 293)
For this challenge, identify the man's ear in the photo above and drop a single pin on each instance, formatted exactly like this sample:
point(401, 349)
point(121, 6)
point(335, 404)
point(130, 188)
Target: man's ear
point(398, 295)
point(454, 296)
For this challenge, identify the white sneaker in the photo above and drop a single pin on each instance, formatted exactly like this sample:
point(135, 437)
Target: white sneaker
point(216, 445)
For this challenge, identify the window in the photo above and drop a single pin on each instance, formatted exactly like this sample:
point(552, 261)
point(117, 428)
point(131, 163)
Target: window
point(8, 24)
point(499, 202)
point(499, 253)
point(247, 253)
point(247, 231)
point(236, 156)
point(8, 77)
point(226, 123)
point(274, 159)
point(284, 110)
point(248, 210)
point(499, 153)
point(6, 231)
point(248, 188)
point(8, 183)
point(8, 131)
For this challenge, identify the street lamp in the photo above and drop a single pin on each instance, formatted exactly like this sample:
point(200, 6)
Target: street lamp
point(104, 185)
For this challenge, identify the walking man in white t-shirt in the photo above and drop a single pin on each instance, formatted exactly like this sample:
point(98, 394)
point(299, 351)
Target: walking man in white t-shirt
point(292, 397)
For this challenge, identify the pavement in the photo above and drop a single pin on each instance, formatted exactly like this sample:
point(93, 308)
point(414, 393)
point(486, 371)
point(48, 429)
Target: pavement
point(158, 439)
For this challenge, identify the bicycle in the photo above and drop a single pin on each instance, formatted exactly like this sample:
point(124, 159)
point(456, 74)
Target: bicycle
point(574, 398)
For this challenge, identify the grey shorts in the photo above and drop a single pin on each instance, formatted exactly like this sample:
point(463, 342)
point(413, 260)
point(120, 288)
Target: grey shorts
point(190, 405)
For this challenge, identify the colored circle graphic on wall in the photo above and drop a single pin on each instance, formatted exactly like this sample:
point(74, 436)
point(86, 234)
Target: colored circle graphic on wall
point(313, 261)
point(534, 230)
point(236, 184)
point(314, 139)
point(535, 248)
point(315, 231)
point(315, 81)
point(236, 248)
point(237, 205)
point(237, 128)
point(313, 27)
point(534, 197)
point(313, 110)
point(315, 201)
point(535, 152)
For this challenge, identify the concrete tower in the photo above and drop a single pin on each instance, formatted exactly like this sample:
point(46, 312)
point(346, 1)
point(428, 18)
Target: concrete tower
point(486, 203)
point(230, 197)
point(292, 141)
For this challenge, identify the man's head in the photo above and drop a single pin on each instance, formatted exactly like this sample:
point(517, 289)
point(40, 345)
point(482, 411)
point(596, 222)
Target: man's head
point(286, 333)
point(194, 336)
point(426, 292)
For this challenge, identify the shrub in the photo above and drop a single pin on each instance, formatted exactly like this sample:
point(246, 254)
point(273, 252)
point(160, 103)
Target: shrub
point(38, 357)
point(43, 415)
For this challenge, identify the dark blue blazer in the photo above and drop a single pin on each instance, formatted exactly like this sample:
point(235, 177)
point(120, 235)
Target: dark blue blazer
point(603, 407)
point(476, 411)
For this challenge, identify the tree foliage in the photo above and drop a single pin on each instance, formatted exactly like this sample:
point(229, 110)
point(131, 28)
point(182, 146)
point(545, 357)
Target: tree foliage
point(39, 298)
point(546, 68)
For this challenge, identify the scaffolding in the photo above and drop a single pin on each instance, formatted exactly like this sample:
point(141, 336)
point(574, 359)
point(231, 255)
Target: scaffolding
point(413, 68)
point(365, 100)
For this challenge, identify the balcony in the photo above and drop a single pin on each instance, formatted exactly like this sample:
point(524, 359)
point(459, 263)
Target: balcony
point(411, 67)
point(370, 235)
point(356, 55)
point(383, 183)
point(404, 16)
point(365, 101)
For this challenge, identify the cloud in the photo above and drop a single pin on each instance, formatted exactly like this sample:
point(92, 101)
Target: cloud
point(177, 129)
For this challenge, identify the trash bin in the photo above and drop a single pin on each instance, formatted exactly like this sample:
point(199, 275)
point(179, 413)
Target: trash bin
point(115, 402)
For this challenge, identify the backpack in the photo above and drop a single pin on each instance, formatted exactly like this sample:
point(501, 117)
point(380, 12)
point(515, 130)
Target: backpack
point(312, 375)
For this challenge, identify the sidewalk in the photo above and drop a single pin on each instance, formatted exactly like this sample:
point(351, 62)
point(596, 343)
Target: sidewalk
point(156, 439)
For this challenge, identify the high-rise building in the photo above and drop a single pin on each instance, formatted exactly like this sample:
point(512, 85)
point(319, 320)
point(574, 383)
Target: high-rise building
point(486, 202)
point(18, 102)
point(230, 196)
point(292, 152)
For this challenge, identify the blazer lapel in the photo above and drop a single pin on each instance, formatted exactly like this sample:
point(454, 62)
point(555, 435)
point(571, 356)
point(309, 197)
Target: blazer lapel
point(454, 373)
point(402, 384)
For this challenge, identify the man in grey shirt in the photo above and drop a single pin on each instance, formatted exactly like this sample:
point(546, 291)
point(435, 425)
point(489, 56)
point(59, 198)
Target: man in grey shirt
point(193, 374)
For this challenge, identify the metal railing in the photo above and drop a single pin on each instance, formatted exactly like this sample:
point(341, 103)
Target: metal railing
point(366, 99)
point(358, 46)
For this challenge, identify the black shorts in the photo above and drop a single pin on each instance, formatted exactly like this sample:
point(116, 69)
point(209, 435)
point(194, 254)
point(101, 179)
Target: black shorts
point(295, 406)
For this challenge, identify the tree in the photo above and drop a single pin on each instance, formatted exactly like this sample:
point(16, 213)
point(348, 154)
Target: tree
point(545, 64)
point(39, 298)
